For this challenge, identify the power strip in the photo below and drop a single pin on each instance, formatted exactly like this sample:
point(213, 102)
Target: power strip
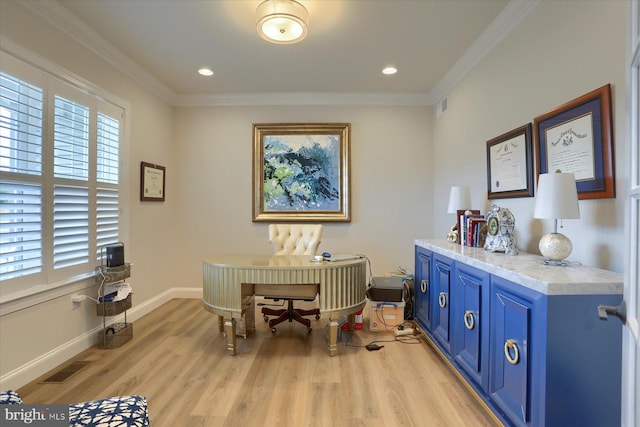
point(403, 332)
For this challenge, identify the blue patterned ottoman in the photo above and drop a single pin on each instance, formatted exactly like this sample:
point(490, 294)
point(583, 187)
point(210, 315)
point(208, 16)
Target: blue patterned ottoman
point(117, 411)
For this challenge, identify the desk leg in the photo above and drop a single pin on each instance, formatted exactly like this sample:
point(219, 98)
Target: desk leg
point(220, 324)
point(333, 337)
point(352, 321)
point(230, 330)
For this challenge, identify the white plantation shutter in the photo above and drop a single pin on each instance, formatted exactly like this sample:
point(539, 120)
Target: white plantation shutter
point(21, 111)
point(107, 176)
point(20, 229)
point(107, 218)
point(60, 196)
point(70, 226)
point(108, 149)
point(71, 140)
point(20, 126)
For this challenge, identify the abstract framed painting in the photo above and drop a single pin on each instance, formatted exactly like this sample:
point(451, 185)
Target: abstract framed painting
point(301, 172)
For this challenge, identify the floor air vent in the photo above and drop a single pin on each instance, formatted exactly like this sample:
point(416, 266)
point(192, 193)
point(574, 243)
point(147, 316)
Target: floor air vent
point(64, 373)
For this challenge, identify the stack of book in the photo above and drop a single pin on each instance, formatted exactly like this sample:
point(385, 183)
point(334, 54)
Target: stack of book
point(470, 229)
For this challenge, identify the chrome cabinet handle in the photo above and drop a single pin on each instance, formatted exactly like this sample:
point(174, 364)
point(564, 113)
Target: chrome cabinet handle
point(509, 347)
point(620, 312)
point(442, 299)
point(469, 320)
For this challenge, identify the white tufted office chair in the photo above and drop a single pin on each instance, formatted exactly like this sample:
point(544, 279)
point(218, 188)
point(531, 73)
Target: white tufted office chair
point(294, 239)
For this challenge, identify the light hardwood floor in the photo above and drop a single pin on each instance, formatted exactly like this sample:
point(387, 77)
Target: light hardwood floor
point(178, 360)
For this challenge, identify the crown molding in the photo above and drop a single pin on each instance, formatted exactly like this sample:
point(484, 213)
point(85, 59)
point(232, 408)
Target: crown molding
point(502, 25)
point(63, 20)
point(302, 98)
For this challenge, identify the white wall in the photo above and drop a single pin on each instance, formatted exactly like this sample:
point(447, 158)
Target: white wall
point(561, 51)
point(391, 172)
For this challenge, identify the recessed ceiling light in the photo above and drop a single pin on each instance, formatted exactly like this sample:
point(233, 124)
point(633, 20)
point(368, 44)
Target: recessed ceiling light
point(389, 70)
point(204, 71)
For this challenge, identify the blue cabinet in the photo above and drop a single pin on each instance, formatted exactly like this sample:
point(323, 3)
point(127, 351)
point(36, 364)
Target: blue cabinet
point(470, 324)
point(422, 295)
point(525, 337)
point(441, 304)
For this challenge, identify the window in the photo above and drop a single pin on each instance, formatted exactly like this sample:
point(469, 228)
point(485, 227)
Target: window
point(59, 176)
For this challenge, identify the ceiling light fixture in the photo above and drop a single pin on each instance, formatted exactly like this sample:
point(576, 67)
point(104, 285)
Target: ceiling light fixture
point(282, 21)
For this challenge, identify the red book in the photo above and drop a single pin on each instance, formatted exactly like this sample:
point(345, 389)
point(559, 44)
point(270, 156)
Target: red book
point(460, 215)
point(473, 229)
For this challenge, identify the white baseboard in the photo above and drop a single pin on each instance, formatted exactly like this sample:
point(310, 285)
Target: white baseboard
point(44, 363)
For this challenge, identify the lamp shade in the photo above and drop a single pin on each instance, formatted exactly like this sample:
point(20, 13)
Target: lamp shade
point(282, 21)
point(459, 198)
point(557, 196)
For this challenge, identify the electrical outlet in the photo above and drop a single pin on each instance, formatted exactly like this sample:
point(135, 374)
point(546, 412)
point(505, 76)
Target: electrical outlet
point(405, 331)
point(77, 298)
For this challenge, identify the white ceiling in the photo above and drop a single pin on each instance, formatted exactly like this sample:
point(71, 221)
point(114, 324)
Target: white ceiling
point(349, 42)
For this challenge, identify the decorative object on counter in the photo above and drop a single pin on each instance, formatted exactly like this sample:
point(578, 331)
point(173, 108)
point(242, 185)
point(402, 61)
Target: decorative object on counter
point(558, 199)
point(500, 231)
point(577, 138)
point(510, 164)
point(459, 200)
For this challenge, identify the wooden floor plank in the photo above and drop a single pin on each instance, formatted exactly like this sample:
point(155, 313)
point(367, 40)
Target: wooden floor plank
point(177, 358)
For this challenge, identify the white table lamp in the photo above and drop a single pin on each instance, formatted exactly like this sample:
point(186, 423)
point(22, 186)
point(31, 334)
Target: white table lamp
point(459, 198)
point(557, 198)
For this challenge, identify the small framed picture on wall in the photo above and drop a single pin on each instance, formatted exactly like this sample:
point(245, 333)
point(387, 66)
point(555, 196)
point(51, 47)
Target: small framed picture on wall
point(152, 181)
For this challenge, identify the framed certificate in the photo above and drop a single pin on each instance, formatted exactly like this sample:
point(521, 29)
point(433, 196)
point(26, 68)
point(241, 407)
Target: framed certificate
point(577, 138)
point(510, 164)
point(152, 178)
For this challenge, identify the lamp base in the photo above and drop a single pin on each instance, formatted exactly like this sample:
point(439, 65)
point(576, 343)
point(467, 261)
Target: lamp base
point(555, 246)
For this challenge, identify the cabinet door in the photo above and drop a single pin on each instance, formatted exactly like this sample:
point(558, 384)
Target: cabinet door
point(440, 303)
point(421, 288)
point(470, 326)
point(510, 337)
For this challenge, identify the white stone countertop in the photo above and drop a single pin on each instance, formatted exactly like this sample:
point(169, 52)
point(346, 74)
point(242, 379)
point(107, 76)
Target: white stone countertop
point(529, 270)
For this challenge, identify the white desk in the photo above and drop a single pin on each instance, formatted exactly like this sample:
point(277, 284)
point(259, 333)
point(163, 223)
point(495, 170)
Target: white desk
point(229, 281)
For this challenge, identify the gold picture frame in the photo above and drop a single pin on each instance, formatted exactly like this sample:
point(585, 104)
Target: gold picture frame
point(577, 137)
point(301, 172)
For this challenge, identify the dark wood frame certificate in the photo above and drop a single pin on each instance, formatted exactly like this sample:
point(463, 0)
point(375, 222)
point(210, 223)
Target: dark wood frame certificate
point(577, 138)
point(510, 164)
point(152, 181)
